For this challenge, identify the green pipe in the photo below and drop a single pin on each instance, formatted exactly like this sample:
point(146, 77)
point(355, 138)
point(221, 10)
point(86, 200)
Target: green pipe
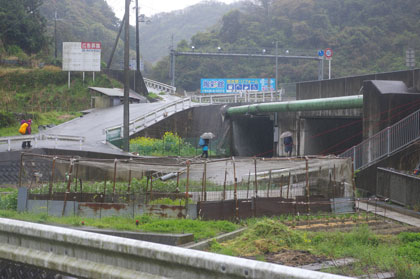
point(347, 102)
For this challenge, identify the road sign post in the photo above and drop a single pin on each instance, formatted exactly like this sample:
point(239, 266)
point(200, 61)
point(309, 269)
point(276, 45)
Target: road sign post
point(328, 55)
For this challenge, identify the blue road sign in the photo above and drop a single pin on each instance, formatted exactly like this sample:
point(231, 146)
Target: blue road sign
point(237, 85)
point(321, 53)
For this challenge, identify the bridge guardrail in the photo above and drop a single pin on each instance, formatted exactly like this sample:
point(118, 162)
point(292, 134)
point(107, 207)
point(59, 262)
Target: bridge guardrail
point(138, 124)
point(385, 142)
point(160, 86)
point(242, 97)
point(92, 255)
point(39, 137)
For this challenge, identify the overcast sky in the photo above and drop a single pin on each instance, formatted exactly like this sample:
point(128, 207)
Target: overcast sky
point(150, 7)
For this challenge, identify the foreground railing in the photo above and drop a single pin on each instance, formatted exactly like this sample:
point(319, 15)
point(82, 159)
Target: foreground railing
point(41, 137)
point(91, 255)
point(386, 142)
point(144, 121)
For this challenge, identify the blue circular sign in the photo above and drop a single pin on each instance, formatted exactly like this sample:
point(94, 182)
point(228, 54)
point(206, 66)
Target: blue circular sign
point(321, 53)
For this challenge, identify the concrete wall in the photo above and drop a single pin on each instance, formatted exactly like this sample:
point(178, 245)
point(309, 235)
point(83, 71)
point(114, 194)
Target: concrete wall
point(349, 86)
point(191, 123)
point(383, 110)
point(406, 160)
point(399, 187)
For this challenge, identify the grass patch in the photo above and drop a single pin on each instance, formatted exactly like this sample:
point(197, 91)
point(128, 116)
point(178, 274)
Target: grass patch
point(44, 118)
point(375, 253)
point(200, 229)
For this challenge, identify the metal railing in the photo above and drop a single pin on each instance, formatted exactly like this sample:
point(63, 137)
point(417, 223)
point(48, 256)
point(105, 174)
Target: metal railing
point(91, 255)
point(40, 137)
point(242, 97)
point(385, 142)
point(144, 121)
point(160, 86)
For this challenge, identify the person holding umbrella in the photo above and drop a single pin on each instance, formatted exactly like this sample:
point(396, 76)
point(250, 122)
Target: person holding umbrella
point(288, 142)
point(204, 143)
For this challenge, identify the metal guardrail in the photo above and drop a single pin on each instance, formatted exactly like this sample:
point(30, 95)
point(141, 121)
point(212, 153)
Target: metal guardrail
point(160, 86)
point(144, 121)
point(242, 97)
point(91, 255)
point(386, 142)
point(40, 137)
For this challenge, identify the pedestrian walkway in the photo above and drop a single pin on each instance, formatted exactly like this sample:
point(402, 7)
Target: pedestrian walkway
point(402, 218)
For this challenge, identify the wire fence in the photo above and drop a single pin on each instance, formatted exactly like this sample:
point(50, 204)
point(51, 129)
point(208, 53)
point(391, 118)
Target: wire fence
point(263, 186)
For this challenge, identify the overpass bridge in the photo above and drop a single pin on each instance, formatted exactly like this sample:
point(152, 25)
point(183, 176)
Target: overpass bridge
point(89, 255)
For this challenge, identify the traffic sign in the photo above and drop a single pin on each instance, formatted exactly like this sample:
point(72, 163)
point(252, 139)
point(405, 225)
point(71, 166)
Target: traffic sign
point(328, 53)
point(321, 53)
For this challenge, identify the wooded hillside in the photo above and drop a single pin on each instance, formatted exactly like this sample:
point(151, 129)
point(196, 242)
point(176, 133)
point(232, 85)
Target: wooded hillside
point(366, 36)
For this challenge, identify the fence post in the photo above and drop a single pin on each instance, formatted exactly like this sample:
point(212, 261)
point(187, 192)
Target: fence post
point(115, 177)
point(55, 144)
point(271, 93)
point(21, 169)
point(204, 190)
point(68, 187)
point(235, 193)
point(8, 143)
point(354, 157)
point(189, 102)
point(249, 182)
point(80, 143)
point(188, 180)
point(269, 184)
point(281, 186)
point(52, 178)
point(333, 187)
point(224, 183)
point(256, 180)
point(155, 117)
point(36, 142)
point(388, 141)
point(288, 185)
point(307, 185)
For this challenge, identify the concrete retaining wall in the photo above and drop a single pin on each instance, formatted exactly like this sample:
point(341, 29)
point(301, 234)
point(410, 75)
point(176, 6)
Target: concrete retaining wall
point(398, 186)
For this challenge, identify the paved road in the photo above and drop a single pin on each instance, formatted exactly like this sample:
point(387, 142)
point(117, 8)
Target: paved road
point(91, 127)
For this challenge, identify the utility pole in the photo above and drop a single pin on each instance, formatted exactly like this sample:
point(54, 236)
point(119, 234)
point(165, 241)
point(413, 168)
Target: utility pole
point(55, 34)
point(126, 135)
point(137, 37)
point(277, 64)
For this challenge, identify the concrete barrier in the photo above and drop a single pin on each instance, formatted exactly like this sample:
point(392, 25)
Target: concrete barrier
point(91, 255)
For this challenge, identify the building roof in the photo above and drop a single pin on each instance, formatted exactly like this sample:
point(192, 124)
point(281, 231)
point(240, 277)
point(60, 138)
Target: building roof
point(117, 92)
point(391, 87)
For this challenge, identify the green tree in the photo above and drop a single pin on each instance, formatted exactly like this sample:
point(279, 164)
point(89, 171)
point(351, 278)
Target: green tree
point(22, 25)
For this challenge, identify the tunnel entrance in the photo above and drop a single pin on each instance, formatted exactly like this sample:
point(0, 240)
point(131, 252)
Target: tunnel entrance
point(323, 136)
point(252, 136)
